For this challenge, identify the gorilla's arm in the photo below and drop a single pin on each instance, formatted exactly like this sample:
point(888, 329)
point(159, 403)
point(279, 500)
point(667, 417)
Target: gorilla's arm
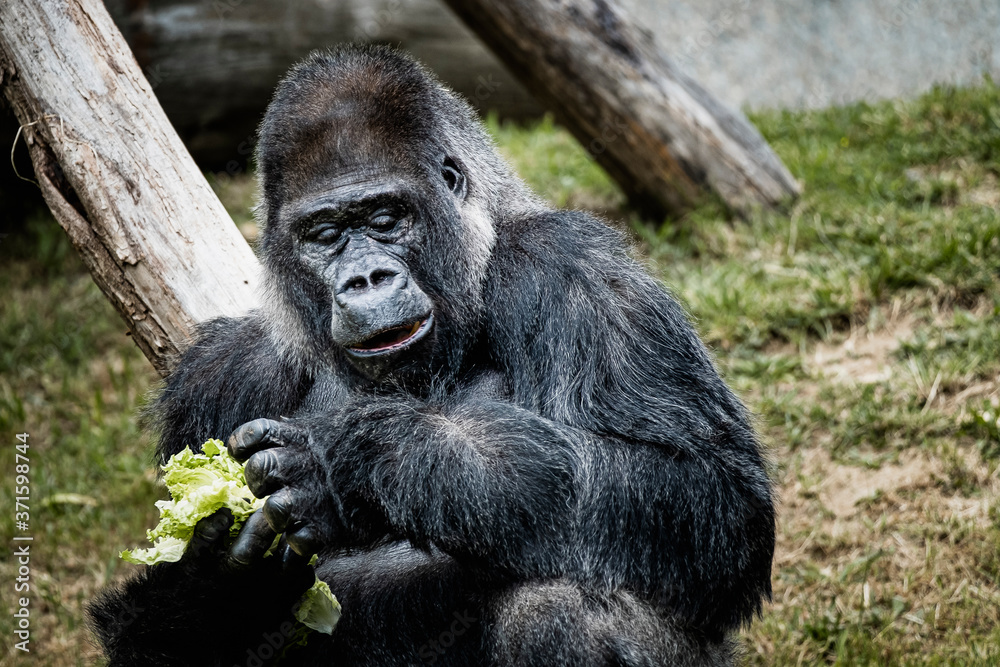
point(684, 509)
point(231, 374)
point(481, 479)
point(522, 496)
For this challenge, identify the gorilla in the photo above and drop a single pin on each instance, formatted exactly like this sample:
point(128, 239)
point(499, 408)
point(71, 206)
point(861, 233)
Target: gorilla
point(501, 438)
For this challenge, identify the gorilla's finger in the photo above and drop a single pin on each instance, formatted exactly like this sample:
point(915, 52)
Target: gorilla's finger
point(251, 437)
point(303, 540)
point(296, 569)
point(290, 559)
point(254, 540)
point(278, 510)
point(208, 532)
point(263, 473)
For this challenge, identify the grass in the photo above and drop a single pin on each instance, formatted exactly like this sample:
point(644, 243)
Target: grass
point(72, 380)
point(862, 325)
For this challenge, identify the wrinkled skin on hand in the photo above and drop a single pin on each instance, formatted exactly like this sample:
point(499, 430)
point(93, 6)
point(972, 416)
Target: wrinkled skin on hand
point(281, 465)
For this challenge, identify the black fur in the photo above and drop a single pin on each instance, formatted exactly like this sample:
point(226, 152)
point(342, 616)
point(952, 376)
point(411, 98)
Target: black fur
point(555, 475)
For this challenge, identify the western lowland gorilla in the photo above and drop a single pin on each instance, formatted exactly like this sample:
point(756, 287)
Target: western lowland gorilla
point(502, 438)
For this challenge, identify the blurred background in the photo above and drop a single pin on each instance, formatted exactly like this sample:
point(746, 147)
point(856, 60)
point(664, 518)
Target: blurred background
point(214, 64)
point(861, 323)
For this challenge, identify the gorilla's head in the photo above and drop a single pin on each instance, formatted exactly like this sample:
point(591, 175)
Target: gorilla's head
point(381, 195)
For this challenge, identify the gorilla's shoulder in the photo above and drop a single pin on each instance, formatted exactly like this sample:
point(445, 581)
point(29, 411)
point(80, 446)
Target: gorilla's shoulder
point(570, 313)
point(224, 342)
point(551, 238)
point(570, 266)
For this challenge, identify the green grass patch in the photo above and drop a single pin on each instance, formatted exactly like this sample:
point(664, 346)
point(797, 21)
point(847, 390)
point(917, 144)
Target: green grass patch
point(553, 163)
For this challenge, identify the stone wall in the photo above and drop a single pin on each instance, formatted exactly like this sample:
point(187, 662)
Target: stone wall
point(813, 53)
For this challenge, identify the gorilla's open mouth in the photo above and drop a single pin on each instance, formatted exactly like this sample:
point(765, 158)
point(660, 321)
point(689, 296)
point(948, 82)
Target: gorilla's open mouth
point(394, 339)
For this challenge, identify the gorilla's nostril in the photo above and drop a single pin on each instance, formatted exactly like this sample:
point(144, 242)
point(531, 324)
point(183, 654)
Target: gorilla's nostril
point(381, 276)
point(361, 282)
point(358, 283)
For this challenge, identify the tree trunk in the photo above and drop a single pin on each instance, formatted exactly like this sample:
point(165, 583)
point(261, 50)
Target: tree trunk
point(117, 177)
point(658, 133)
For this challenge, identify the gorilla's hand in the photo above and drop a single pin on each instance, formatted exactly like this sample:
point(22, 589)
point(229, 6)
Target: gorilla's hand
point(281, 463)
point(245, 556)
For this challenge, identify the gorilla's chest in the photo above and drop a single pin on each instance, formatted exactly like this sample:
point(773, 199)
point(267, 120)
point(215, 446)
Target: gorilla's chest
point(329, 390)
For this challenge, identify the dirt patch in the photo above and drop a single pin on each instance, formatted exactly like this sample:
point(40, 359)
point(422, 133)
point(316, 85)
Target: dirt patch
point(822, 499)
point(843, 487)
point(986, 193)
point(846, 491)
point(864, 358)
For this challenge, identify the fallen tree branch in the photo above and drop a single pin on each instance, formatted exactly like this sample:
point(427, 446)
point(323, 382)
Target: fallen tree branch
point(659, 134)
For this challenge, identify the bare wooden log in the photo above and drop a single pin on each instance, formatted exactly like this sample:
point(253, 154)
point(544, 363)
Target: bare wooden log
point(657, 132)
point(118, 179)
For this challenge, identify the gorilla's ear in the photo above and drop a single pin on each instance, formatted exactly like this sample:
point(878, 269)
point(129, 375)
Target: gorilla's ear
point(453, 178)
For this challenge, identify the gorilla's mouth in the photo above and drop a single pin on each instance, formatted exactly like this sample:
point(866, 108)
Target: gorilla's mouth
point(394, 339)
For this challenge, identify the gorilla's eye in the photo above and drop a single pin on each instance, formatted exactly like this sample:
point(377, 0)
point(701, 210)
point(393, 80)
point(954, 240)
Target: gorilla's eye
point(383, 221)
point(324, 233)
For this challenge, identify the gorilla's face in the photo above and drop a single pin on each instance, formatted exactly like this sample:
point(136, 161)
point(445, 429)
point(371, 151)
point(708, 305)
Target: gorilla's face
point(357, 244)
point(359, 241)
point(377, 236)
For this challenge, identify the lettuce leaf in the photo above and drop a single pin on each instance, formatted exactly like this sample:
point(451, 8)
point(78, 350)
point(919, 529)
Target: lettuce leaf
point(165, 550)
point(200, 485)
point(318, 608)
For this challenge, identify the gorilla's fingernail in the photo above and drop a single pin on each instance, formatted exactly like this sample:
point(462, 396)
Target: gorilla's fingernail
point(290, 559)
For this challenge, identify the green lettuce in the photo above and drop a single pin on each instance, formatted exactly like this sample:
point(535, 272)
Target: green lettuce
point(199, 486)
